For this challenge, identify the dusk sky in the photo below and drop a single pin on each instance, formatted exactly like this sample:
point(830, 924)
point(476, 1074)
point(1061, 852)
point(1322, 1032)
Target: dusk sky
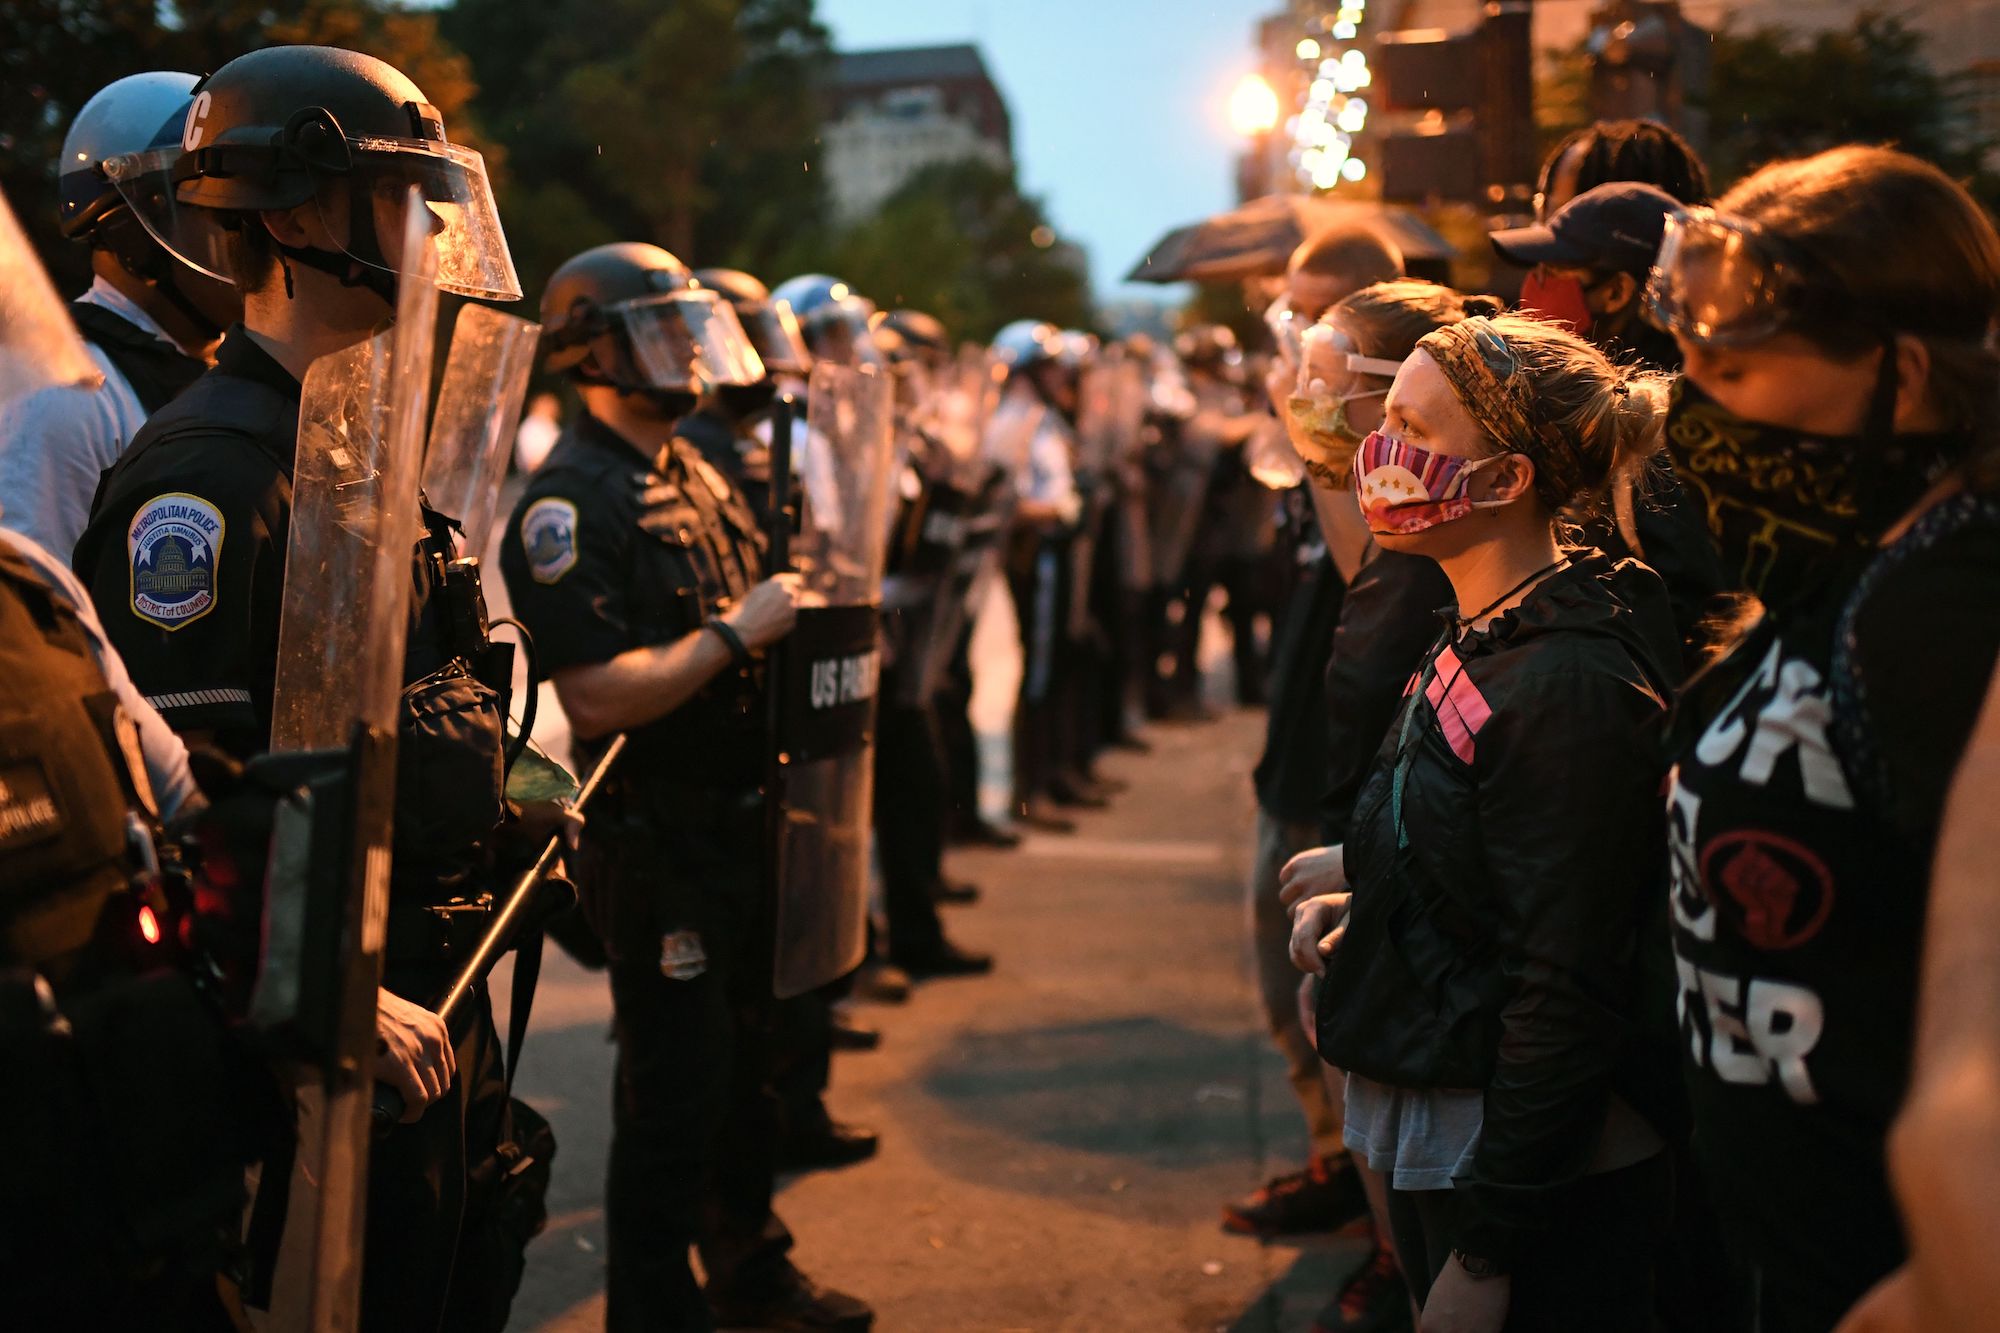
point(1118, 105)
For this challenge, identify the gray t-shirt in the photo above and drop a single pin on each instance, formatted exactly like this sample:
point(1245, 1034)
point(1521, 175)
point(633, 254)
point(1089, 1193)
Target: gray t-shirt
point(1420, 1138)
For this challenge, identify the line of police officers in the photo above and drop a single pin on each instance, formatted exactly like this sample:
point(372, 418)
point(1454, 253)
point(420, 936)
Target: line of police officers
point(268, 198)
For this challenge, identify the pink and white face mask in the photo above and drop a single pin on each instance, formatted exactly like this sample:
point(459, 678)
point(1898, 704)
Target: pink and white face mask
point(1404, 489)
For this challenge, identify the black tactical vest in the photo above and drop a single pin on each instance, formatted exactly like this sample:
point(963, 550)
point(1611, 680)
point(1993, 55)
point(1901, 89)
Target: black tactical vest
point(69, 775)
point(156, 371)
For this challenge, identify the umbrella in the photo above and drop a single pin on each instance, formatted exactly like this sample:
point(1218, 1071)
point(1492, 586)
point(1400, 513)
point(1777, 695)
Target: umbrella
point(1257, 238)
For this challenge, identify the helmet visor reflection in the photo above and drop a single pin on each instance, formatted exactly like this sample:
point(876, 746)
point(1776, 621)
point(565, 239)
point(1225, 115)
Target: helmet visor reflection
point(774, 332)
point(688, 340)
point(192, 235)
point(472, 255)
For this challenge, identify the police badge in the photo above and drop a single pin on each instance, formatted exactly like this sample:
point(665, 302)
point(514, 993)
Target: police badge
point(173, 546)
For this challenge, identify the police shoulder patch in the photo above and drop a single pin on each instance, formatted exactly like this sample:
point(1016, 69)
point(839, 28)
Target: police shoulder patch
point(174, 550)
point(548, 538)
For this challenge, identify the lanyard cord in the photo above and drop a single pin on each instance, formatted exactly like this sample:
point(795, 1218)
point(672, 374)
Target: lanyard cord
point(1405, 752)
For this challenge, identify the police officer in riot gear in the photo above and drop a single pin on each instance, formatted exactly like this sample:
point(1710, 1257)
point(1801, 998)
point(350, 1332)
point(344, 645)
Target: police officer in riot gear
point(731, 424)
point(909, 758)
point(295, 166)
point(151, 320)
point(639, 569)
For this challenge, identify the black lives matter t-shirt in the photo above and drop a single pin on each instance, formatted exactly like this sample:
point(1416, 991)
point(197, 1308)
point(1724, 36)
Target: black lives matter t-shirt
point(1811, 768)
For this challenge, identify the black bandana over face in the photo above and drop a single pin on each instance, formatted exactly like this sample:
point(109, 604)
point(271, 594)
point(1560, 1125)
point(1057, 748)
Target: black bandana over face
point(1786, 507)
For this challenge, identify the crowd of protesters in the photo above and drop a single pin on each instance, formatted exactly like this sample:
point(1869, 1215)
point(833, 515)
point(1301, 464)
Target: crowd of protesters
point(1614, 716)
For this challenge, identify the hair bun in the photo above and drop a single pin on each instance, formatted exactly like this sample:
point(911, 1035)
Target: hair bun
point(1481, 307)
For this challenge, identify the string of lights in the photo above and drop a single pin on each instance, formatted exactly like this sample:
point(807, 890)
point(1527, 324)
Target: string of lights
point(1324, 128)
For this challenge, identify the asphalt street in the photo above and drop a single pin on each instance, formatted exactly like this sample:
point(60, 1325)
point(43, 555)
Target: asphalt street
point(1058, 1137)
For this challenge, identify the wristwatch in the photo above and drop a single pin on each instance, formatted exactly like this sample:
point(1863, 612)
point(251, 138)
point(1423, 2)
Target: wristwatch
point(1478, 1267)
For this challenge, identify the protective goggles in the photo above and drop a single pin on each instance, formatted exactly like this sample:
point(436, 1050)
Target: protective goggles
point(1720, 281)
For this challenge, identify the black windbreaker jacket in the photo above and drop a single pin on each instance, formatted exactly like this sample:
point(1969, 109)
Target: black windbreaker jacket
point(1532, 804)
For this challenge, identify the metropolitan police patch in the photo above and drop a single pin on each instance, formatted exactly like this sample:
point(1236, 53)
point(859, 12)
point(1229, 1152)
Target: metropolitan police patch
point(548, 539)
point(174, 545)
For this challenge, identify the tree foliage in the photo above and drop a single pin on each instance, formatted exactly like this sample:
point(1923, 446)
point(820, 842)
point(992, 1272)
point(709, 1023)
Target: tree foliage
point(1779, 93)
point(959, 240)
point(54, 54)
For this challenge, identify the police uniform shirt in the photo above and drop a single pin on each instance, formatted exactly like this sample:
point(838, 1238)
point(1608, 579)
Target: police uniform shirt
point(184, 553)
point(55, 444)
point(606, 552)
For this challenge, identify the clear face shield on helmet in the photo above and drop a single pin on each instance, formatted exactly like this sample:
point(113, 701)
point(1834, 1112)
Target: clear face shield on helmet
point(1723, 282)
point(359, 204)
point(773, 331)
point(841, 334)
point(687, 341)
point(195, 236)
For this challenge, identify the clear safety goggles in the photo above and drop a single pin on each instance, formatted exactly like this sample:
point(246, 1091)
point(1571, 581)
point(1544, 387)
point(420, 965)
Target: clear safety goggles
point(688, 339)
point(1721, 281)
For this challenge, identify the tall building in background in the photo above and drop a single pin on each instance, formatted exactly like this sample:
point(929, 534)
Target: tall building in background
point(894, 112)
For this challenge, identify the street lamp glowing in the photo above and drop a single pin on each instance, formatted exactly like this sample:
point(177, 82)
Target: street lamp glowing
point(1253, 107)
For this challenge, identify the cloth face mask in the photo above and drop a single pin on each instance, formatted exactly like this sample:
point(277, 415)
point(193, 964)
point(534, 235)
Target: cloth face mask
point(1405, 489)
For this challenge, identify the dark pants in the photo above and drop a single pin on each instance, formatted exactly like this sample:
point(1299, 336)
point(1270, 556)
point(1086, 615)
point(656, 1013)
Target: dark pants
point(1242, 579)
point(694, 1120)
point(1592, 1268)
point(909, 822)
point(953, 710)
point(1035, 577)
point(412, 1279)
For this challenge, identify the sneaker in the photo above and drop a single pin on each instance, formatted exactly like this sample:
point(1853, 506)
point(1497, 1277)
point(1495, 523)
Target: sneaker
point(800, 1306)
point(1326, 1196)
point(1373, 1301)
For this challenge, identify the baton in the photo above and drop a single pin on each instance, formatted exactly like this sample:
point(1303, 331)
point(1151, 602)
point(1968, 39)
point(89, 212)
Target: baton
point(499, 937)
point(778, 529)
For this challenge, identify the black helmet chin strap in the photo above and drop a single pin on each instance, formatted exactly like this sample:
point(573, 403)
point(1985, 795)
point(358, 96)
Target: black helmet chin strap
point(350, 271)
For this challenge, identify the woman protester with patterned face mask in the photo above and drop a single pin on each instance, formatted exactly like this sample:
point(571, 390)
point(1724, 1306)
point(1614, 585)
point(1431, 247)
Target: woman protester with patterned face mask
point(1837, 421)
point(1483, 963)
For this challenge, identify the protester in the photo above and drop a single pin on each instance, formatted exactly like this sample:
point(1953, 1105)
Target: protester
point(1619, 150)
point(1485, 998)
point(1290, 781)
point(1386, 620)
point(1836, 419)
point(1588, 267)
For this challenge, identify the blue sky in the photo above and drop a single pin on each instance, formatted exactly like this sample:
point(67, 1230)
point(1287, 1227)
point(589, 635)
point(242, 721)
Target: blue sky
point(1118, 105)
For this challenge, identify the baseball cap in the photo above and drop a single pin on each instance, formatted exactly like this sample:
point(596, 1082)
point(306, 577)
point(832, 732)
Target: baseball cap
point(1616, 227)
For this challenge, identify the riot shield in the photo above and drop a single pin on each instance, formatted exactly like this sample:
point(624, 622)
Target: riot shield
point(478, 408)
point(341, 638)
point(827, 677)
point(39, 345)
point(1183, 462)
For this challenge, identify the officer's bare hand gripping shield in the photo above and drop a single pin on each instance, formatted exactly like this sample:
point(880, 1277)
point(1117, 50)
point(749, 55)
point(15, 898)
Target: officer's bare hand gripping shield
point(341, 639)
point(828, 681)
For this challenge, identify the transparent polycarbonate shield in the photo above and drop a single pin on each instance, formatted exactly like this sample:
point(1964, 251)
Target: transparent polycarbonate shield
point(688, 339)
point(468, 243)
point(844, 465)
point(966, 395)
point(39, 345)
point(1011, 430)
point(341, 637)
point(354, 522)
point(1097, 423)
point(774, 332)
point(478, 408)
point(829, 677)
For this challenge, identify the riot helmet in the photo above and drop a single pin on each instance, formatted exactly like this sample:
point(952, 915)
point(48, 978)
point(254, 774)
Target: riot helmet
point(628, 315)
point(834, 318)
point(287, 126)
point(771, 325)
point(136, 120)
point(923, 335)
point(1026, 343)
